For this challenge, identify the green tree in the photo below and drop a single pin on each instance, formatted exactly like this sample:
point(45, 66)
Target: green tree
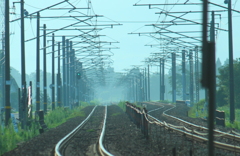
point(223, 84)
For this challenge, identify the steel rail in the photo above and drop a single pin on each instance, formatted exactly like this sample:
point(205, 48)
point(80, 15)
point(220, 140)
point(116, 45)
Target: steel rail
point(64, 140)
point(190, 135)
point(217, 144)
point(101, 148)
point(227, 135)
point(155, 109)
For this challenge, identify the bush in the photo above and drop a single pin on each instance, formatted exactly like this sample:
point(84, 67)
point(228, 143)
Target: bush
point(199, 109)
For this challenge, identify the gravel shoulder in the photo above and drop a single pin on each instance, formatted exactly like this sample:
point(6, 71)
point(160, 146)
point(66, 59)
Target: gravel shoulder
point(43, 145)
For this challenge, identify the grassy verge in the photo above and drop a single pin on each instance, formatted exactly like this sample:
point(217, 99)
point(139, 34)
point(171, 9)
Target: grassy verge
point(202, 112)
point(61, 115)
point(121, 104)
point(9, 138)
point(198, 110)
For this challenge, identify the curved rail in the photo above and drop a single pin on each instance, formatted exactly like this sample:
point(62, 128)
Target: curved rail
point(227, 135)
point(189, 133)
point(102, 150)
point(155, 109)
point(64, 140)
point(217, 144)
point(235, 135)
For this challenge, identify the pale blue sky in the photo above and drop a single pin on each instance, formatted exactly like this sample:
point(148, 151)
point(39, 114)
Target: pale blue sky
point(132, 50)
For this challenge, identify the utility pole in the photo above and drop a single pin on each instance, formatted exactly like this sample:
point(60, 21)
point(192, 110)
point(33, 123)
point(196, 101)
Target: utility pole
point(59, 79)
point(3, 73)
point(38, 65)
point(231, 73)
point(73, 76)
point(173, 77)
point(160, 81)
point(191, 77)
point(7, 65)
point(80, 88)
point(149, 98)
point(53, 72)
point(64, 72)
point(145, 85)
point(163, 85)
point(208, 76)
point(23, 116)
point(212, 39)
point(184, 75)
point(133, 88)
point(140, 87)
point(67, 70)
point(70, 74)
point(44, 71)
point(136, 87)
point(197, 74)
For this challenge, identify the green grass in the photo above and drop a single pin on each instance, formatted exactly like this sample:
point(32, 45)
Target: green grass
point(115, 114)
point(9, 138)
point(121, 104)
point(193, 113)
point(90, 130)
point(196, 110)
point(61, 115)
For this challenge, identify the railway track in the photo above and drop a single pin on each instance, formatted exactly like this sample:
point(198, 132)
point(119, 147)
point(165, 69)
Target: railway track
point(197, 132)
point(87, 138)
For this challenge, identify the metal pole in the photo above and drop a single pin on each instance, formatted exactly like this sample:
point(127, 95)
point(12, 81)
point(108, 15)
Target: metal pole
point(231, 73)
point(30, 102)
point(3, 71)
point(73, 76)
point(80, 89)
point(212, 39)
point(70, 74)
point(196, 75)
point(23, 118)
point(145, 85)
point(7, 65)
point(208, 79)
point(67, 70)
point(59, 79)
point(184, 75)
point(160, 81)
point(163, 76)
point(64, 71)
point(173, 78)
point(140, 87)
point(133, 88)
point(191, 77)
point(136, 88)
point(19, 106)
point(53, 73)
point(44, 71)
point(38, 65)
point(149, 98)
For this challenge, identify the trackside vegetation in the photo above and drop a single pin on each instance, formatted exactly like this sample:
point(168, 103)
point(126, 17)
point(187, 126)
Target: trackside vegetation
point(9, 138)
point(121, 104)
point(199, 110)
